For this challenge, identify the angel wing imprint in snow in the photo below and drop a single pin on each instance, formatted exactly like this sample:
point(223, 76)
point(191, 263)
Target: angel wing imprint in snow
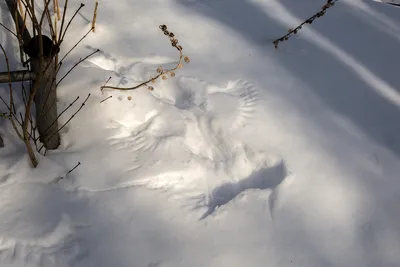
point(216, 113)
point(204, 115)
point(190, 121)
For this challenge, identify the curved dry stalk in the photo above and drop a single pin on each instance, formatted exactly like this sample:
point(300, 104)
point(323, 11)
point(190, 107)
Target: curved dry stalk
point(150, 80)
point(160, 70)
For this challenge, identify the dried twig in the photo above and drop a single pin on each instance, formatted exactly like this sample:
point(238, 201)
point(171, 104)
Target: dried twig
point(106, 99)
point(310, 20)
point(161, 72)
point(59, 115)
point(46, 8)
point(65, 176)
point(11, 105)
point(10, 31)
point(62, 34)
point(73, 115)
point(76, 64)
point(94, 16)
point(57, 9)
point(75, 45)
point(63, 21)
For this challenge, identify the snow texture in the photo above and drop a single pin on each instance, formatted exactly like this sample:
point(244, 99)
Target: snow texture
point(249, 156)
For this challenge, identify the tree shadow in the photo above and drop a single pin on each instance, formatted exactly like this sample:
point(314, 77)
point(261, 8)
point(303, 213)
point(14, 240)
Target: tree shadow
point(356, 83)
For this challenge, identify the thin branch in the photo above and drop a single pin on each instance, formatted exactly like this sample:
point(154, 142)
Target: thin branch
point(310, 20)
point(75, 45)
point(63, 20)
point(5, 27)
point(106, 99)
point(46, 8)
point(59, 115)
point(11, 106)
point(73, 115)
point(57, 9)
point(69, 23)
point(95, 16)
point(76, 64)
point(65, 176)
point(50, 21)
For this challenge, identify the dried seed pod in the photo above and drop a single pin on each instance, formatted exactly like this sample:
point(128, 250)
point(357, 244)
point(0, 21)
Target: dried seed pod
point(160, 69)
point(166, 32)
point(172, 74)
point(164, 77)
point(186, 59)
point(150, 88)
point(163, 27)
point(129, 98)
point(171, 35)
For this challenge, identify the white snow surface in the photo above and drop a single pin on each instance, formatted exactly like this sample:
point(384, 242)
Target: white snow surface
point(249, 156)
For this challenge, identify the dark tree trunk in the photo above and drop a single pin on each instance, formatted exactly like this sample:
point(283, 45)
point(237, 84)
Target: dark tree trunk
point(46, 103)
point(46, 97)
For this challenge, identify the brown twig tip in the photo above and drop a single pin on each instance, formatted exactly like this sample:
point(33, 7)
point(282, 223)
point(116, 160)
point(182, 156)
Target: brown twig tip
point(310, 20)
point(163, 73)
point(94, 16)
point(105, 99)
point(65, 176)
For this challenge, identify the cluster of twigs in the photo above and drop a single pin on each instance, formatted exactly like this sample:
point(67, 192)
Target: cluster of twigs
point(310, 20)
point(163, 73)
point(43, 56)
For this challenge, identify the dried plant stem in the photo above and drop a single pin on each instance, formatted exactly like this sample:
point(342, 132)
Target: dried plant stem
point(95, 16)
point(63, 21)
point(57, 9)
point(150, 80)
point(20, 6)
point(310, 20)
point(160, 70)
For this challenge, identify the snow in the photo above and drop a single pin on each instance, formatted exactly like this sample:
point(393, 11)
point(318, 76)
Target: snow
point(249, 156)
